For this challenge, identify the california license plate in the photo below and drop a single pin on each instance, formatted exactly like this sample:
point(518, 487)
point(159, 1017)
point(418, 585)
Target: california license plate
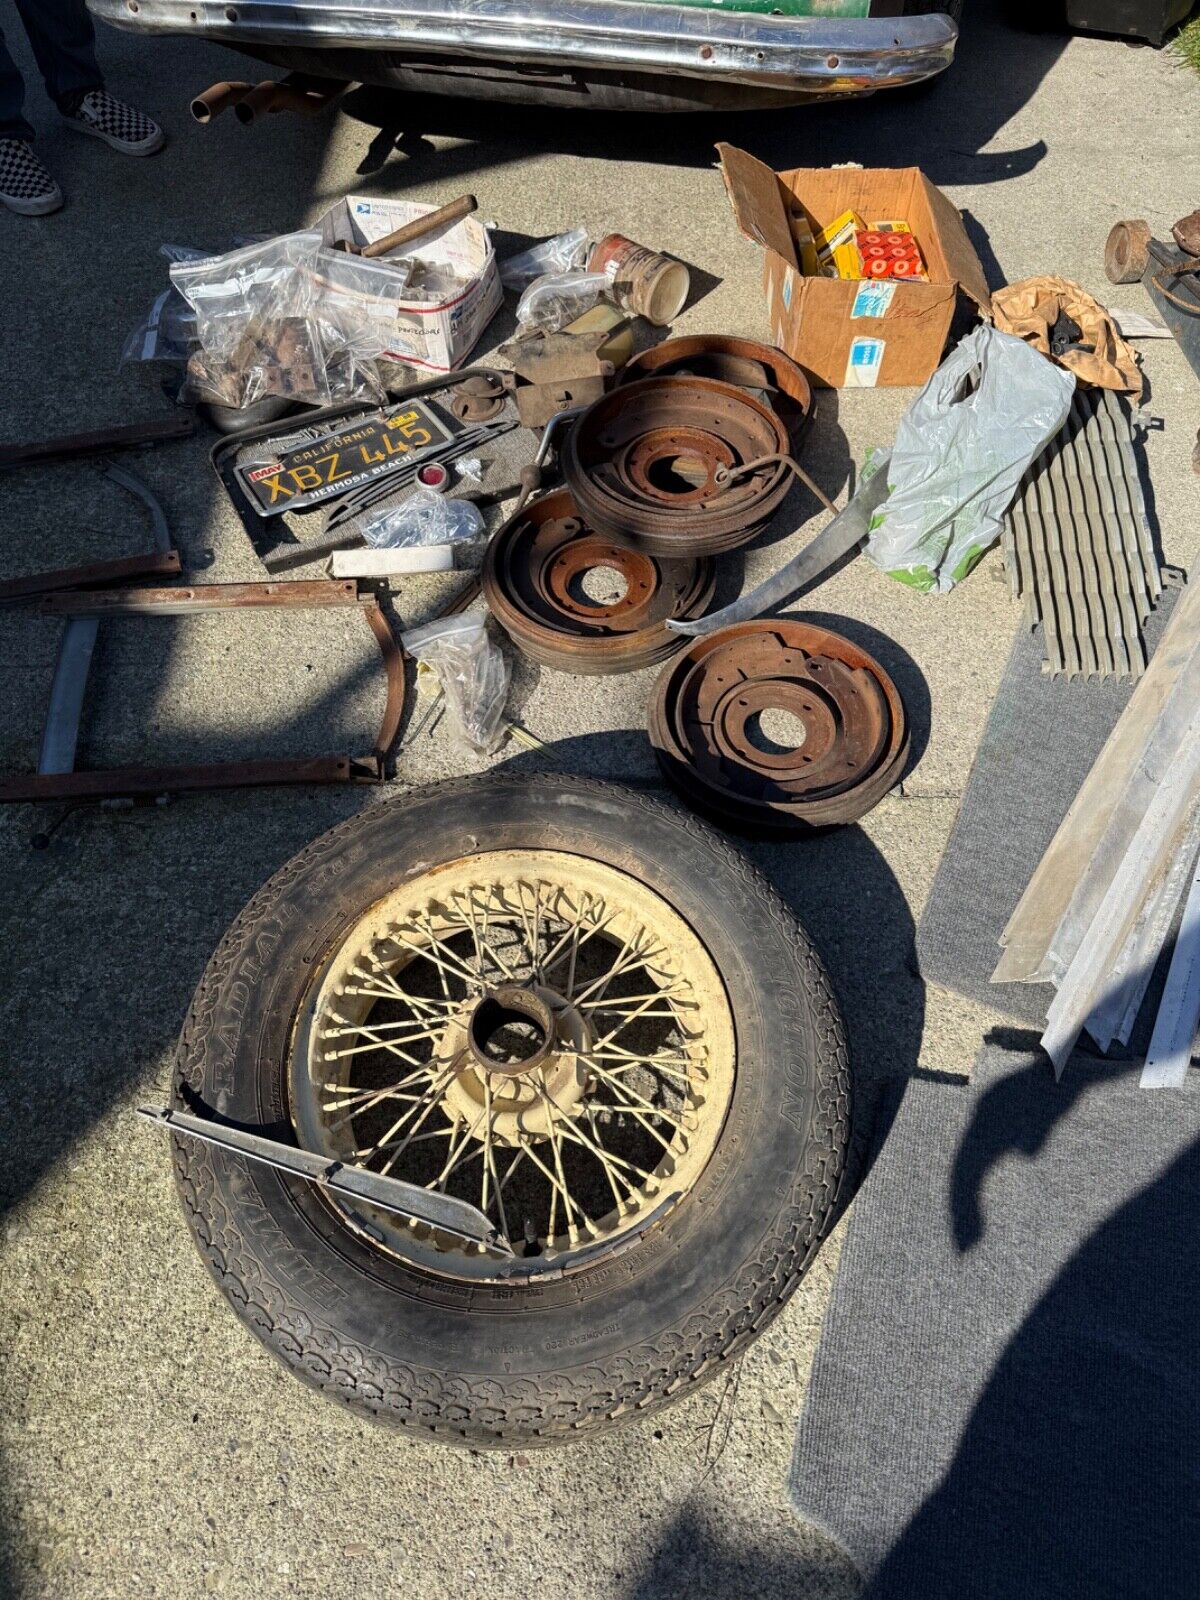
point(331, 466)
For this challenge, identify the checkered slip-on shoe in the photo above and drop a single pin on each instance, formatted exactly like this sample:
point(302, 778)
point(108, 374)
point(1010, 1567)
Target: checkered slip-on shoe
point(25, 185)
point(105, 117)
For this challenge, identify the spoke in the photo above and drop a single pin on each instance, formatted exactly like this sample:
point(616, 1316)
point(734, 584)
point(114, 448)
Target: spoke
point(575, 947)
point(418, 1002)
point(346, 1028)
point(624, 1023)
point(513, 1164)
point(481, 942)
point(630, 956)
point(622, 1200)
point(455, 1151)
point(630, 999)
point(635, 1098)
point(489, 1162)
point(421, 1138)
point(556, 1188)
point(448, 964)
point(390, 1045)
point(621, 1061)
point(556, 955)
point(432, 1096)
point(573, 1131)
point(361, 1094)
point(373, 1096)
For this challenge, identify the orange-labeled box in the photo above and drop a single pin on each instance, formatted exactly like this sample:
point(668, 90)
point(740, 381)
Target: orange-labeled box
point(883, 331)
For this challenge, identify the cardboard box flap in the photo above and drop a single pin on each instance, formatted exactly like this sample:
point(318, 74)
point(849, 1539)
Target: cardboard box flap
point(962, 263)
point(756, 195)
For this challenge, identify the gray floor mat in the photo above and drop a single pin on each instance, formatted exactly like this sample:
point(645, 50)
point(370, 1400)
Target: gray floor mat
point(1038, 746)
point(1004, 1403)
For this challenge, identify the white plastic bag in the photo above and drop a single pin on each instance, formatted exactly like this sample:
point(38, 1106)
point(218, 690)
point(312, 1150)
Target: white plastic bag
point(551, 302)
point(472, 671)
point(424, 518)
point(563, 253)
point(961, 449)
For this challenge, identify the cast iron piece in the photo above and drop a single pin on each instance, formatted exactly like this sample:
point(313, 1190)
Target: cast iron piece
point(1127, 251)
point(1186, 233)
point(705, 730)
point(678, 466)
point(479, 398)
point(532, 580)
point(761, 368)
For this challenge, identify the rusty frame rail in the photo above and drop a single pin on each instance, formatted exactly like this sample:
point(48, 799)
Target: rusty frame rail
point(132, 782)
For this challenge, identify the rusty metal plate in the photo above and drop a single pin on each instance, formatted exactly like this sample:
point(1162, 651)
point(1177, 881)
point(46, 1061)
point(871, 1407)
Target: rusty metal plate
point(533, 580)
point(654, 465)
point(710, 727)
point(762, 368)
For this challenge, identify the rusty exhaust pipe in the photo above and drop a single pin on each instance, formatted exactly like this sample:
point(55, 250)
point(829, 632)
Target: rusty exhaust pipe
point(307, 97)
point(219, 98)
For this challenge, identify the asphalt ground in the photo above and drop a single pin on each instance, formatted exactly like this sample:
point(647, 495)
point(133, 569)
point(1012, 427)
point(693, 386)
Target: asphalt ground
point(150, 1446)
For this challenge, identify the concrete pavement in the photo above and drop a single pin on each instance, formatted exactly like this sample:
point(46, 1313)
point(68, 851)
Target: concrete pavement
point(149, 1445)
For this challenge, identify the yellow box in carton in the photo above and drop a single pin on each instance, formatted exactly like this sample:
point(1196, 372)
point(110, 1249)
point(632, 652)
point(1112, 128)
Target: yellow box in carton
point(837, 252)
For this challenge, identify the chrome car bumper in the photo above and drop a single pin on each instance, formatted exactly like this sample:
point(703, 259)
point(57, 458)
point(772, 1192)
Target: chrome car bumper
point(805, 54)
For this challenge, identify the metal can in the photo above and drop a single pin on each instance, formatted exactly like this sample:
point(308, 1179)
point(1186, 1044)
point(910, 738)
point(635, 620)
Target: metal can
point(651, 285)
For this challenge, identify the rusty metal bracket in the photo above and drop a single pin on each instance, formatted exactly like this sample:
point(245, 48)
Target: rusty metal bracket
point(150, 781)
point(72, 446)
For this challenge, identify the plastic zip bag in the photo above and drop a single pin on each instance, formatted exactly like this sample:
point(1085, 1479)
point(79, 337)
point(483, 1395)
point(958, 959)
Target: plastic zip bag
point(472, 671)
point(424, 518)
point(564, 253)
point(285, 317)
point(551, 302)
point(961, 450)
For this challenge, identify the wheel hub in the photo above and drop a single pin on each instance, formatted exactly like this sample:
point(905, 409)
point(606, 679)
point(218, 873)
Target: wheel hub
point(520, 1048)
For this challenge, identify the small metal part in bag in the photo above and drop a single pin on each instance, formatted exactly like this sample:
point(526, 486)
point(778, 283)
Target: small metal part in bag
point(71, 446)
point(83, 610)
point(657, 464)
point(347, 1182)
point(765, 371)
point(711, 716)
point(533, 581)
point(1127, 251)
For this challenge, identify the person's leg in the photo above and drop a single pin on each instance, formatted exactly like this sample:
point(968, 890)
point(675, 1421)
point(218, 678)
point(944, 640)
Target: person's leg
point(25, 185)
point(64, 47)
point(12, 98)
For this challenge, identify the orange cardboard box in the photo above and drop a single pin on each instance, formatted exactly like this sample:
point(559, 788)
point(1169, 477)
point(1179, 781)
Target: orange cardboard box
point(886, 333)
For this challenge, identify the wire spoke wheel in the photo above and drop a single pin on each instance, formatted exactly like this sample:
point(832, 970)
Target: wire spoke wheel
point(572, 1008)
point(530, 1031)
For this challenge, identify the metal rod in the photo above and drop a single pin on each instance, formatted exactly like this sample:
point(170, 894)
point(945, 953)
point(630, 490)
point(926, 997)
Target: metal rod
point(60, 734)
point(1179, 1010)
point(441, 1211)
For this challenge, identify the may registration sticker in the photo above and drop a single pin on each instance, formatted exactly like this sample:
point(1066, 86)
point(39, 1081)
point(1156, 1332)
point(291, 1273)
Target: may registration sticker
point(344, 460)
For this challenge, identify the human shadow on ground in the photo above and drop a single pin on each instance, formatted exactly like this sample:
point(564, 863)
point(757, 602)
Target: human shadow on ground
point(1082, 1447)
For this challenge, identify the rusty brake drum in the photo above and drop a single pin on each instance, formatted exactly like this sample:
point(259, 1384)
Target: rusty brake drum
point(533, 580)
point(770, 375)
point(706, 726)
point(678, 466)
